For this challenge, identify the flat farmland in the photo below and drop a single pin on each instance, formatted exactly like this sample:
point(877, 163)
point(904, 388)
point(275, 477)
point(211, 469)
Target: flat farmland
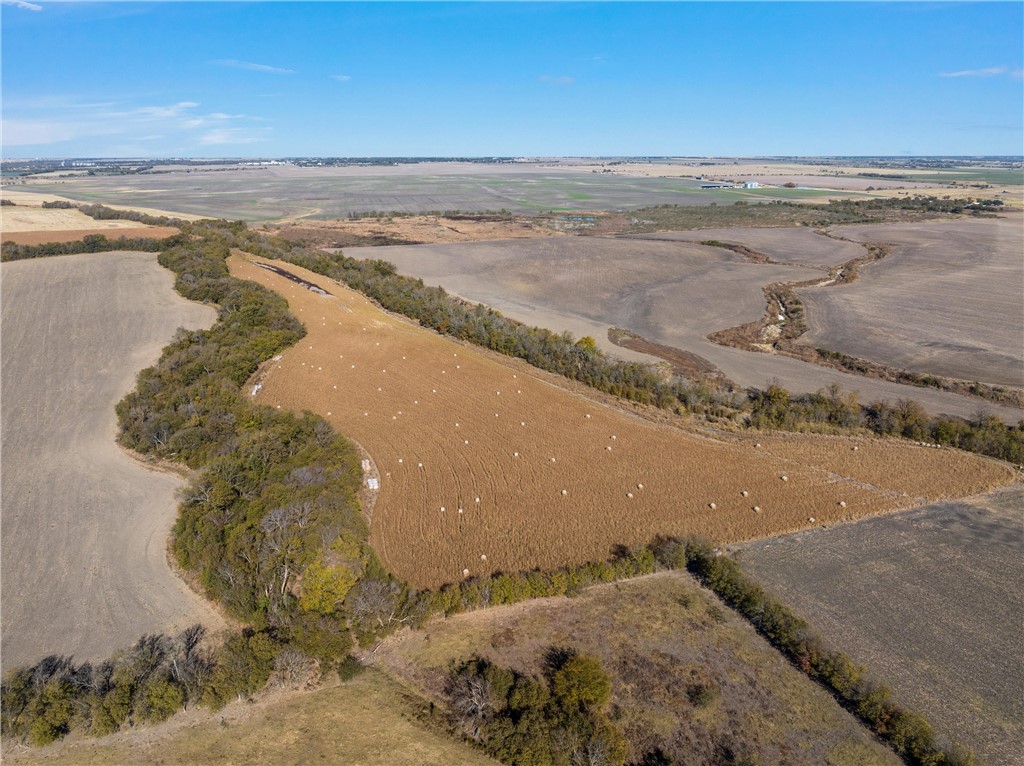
point(785, 245)
point(74, 235)
point(947, 300)
point(84, 566)
point(487, 465)
point(672, 293)
point(39, 219)
point(271, 193)
point(669, 292)
point(930, 600)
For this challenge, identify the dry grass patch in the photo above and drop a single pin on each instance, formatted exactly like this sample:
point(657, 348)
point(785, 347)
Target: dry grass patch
point(689, 677)
point(39, 219)
point(370, 721)
point(489, 466)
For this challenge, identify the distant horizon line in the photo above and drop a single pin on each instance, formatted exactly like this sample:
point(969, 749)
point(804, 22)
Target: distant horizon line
point(515, 157)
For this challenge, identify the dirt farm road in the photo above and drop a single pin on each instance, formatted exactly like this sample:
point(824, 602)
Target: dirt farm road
point(84, 569)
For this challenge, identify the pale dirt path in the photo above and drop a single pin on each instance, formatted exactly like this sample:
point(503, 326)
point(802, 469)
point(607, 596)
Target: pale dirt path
point(84, 526)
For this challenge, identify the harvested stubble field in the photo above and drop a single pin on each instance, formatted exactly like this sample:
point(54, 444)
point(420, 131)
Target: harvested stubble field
point(929, 599)
point(673, 293)
point(488, 465)
point(28, 223)
point(84, 565)
point(662, 639)
point(947, 300)
point(74, 235)
point(40, 219)
point(803, 245)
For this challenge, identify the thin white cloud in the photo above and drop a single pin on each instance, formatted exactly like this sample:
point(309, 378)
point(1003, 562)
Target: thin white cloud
point(991, 71)
point(236, 64)
point(22, 4)
point(222, 136)
point(562, 80)
point(31, 132)
point(341, 77)
point(133, 125)
point(163, 112)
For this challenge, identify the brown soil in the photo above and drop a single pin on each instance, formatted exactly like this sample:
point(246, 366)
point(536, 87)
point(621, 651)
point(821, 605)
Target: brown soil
point(413, 229)
point(486, 466)
point(684, 363)
point(784, 336)
point(84, 567)
point(75, 235)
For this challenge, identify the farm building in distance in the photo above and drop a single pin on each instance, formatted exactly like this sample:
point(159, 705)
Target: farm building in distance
point(746, 185)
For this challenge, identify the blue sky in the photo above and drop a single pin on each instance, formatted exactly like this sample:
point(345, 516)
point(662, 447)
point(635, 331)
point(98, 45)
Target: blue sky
point(222, 79)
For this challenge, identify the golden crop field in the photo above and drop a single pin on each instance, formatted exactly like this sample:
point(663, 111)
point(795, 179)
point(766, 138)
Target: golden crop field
point(486, 465)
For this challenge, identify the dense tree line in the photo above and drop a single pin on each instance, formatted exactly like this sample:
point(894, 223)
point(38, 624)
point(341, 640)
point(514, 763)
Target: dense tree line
point(774, 408)
point(770, 408)
point(149, 682)
point(270, 521)
point(90, 243)
point(104, 213)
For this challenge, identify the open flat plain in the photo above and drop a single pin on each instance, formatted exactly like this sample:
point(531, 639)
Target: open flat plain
point(488, 465)
point(270, 193)
point(84, 567)
point(947, 300)
point(673, 293)
point(659, 638)
point(930, 600)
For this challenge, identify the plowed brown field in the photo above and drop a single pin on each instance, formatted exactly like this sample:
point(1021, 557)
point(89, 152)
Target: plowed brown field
point(74, 235)
point(486, 465)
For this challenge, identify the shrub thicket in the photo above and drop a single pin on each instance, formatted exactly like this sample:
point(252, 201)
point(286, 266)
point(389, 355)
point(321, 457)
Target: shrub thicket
point(559, 719)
